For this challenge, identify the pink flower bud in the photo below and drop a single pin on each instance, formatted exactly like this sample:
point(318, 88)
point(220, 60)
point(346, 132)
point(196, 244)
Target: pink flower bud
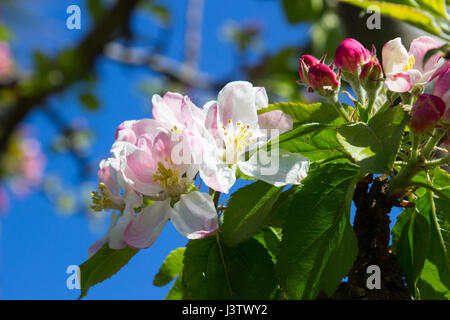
point(371, 74)
point(350, 55)
point(305, 62)
point(322, 79)
point(426, 112)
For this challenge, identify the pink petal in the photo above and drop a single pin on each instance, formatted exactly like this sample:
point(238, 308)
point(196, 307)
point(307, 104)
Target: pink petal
point(403, 81)
point(275, 119)
point(419, 48)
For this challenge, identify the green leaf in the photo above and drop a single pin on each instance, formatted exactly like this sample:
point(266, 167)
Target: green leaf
point(277, 215)
point(89, 101)
point(306, 113)
point(435, 7)
point(270, 238)
point(316, 146)
point(374, 145)
point(430, 284)
point(177, 290)
point(314, 142)
point(247, 210)
point(102, 265)
point(303, 10)
point(410, 242)
point(439, 248)
point(319, 246)
point(171, 267)
point(245, 272)
point(402, 12)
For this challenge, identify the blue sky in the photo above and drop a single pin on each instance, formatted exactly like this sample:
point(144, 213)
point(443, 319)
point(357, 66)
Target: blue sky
point(37, 244)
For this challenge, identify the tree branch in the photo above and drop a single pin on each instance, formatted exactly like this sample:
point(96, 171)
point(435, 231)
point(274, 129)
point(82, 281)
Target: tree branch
point(85, 53)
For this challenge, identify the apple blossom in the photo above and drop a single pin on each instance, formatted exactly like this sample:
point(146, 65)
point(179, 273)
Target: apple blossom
point(426, 112)
point(152, 165)
point(236, 129)
point(405, 69)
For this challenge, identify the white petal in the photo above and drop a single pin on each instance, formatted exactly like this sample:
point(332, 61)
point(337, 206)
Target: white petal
point(279, 167)
point(261, 99)
point(217, 175)
point(195, 216)
point(394, 56)
point(236, 103)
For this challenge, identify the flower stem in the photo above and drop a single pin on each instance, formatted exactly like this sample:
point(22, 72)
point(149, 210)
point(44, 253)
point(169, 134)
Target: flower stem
point(429, 146)
point(339, 107)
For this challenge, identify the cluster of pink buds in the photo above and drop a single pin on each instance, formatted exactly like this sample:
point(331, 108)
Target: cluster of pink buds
point(354, 63)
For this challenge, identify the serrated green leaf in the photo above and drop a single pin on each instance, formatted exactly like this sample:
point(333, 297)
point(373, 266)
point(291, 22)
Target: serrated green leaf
point(102, 265)
point(171, 267)
point(245, 272)
point(247, 210)
point(374, 145)
point(317, 236)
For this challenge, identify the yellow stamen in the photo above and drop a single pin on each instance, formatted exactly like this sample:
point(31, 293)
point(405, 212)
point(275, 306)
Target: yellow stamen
point(410, 64)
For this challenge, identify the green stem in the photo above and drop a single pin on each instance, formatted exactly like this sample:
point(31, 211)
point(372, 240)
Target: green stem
point(429, 146)
point(415, 146)
point(431, 188)
point(339, 107)
point(437, 163)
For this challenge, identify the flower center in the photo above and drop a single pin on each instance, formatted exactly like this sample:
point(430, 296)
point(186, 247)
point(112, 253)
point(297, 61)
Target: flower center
point(410, 64)
point(238, 136)
point(175, 129)
point(169, 179)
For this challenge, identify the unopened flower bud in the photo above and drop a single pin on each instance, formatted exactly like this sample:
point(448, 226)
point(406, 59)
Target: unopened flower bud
point(370, 76)
point(350, 56)
point(426, 112)
point(305, 62)
point(322, 79)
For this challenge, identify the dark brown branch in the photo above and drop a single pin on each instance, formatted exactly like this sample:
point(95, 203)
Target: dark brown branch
point(85, 53)
point(372, 230)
